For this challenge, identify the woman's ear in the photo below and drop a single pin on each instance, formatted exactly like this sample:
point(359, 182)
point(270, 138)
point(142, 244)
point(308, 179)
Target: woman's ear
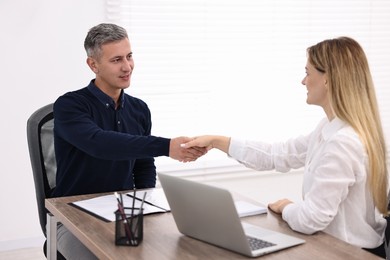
point(326, 83)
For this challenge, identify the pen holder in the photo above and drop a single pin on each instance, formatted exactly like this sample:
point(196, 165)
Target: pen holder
point(129, 227)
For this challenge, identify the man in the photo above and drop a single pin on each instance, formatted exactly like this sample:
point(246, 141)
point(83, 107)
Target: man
point(102, 136)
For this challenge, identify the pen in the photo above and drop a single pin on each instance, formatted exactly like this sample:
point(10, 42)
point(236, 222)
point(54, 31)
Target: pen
point(125, 223)
point(121, 199)
point(143, 200)
point(132, 209)
point(139, 214)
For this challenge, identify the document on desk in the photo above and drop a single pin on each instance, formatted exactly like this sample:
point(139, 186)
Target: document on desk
point(246, 209)
point(155, 197)
point(105, 206)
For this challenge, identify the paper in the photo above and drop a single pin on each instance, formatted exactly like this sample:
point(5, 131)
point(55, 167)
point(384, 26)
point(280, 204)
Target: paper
point(155, 197)
point(105, 206)
point(245, 209)
point(155, 202)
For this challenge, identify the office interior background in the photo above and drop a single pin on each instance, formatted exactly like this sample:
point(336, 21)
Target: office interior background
point(204, 67)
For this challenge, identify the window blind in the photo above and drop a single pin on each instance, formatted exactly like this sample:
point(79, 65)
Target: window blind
point(234, 67)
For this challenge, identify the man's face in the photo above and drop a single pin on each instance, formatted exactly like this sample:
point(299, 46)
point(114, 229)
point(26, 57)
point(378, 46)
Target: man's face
point(114, 67)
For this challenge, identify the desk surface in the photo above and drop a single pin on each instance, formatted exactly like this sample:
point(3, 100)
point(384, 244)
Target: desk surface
point(162, 240)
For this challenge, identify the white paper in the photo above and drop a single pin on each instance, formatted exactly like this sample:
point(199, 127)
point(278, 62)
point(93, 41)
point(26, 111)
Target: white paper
point(245, 209)
point(155, 197)
point(105, 206)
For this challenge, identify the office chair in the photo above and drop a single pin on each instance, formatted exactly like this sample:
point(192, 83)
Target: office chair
point(387, 239)
point(40, 141)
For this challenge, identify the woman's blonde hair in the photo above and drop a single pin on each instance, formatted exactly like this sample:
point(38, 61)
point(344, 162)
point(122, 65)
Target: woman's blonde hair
point(353, 99)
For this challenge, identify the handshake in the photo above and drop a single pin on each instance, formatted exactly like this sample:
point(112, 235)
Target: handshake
point(187, 149)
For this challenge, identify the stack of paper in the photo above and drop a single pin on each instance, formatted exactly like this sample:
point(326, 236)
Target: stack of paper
point(246, 209)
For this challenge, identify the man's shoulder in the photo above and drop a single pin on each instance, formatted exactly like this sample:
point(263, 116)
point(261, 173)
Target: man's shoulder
point(73, 97)
point(74, 93)
point(135, 100)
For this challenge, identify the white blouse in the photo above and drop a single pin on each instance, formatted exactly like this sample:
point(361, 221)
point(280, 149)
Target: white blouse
point(336, 196)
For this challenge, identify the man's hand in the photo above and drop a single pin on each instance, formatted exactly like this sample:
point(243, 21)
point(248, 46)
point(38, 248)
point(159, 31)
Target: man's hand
point(177, 152)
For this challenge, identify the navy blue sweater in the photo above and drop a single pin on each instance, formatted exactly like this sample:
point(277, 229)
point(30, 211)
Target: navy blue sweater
point(102, 149)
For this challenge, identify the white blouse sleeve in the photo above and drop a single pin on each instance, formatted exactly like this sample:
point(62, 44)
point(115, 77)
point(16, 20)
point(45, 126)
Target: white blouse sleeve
point(263, 156)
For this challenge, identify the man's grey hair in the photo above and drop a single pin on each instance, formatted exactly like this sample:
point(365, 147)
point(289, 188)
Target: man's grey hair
point(102, 34)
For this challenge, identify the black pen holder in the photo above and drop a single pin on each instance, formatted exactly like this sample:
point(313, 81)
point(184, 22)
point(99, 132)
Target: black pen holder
point(129, 227)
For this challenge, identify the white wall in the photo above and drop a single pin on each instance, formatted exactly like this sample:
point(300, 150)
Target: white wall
point(42, 56)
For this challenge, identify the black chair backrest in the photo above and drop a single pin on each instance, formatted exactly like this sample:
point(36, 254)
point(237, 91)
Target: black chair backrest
point(41, 148)
point(387, 238)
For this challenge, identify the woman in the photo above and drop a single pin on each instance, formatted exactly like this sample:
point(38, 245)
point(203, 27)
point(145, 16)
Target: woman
point(344, 158)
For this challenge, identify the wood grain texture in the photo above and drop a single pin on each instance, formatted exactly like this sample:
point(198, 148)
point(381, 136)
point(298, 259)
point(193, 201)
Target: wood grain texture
point(162, 240)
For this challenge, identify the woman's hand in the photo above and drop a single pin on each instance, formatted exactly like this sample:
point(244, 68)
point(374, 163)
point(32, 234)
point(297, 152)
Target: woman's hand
point(279, 205)
point(209, 142)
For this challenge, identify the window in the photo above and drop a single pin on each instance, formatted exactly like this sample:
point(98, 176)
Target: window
point(235, 67)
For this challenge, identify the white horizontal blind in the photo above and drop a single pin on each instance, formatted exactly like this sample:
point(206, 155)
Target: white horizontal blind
point(234, 67)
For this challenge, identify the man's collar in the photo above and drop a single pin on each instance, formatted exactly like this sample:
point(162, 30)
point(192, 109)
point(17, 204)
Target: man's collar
point(103, 97)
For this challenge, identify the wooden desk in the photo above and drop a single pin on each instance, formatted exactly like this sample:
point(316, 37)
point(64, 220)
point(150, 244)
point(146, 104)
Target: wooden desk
point(162, 240)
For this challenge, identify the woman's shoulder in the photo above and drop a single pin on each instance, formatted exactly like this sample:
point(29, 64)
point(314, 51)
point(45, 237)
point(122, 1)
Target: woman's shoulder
point(344, 137)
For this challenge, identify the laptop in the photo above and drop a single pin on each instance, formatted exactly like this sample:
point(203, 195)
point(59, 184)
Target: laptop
point(208, 213)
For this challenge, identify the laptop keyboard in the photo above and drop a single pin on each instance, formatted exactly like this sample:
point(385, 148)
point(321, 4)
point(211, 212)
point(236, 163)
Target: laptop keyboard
point(256, 244)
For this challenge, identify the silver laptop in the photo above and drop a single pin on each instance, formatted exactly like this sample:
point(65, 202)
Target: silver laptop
point(208, 213)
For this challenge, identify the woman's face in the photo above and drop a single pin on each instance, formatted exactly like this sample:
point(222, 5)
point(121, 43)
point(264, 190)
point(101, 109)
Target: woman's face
point(316, 85)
